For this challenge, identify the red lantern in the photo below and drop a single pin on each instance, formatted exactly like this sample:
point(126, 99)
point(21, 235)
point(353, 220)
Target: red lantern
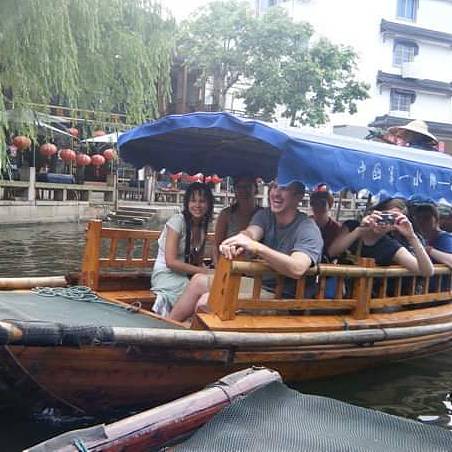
point(97, 160)
point(215, 179)
point(21, 142)
point(208, 179)
point(110, 154)
point(73, 131)
point(99, 133)
point(48, 149)
point(176, 176)
point(82, 160)
point(199, 177)
point(68, 155)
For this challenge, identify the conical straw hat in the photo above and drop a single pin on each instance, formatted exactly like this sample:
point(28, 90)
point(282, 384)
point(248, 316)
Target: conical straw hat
point(416, 126)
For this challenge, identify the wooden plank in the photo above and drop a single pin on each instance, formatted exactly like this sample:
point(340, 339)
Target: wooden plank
point(259, 267)
point(321, 292)
point(90, 264)
point(305, 323)
point(124, 263)
point(410, 299)
point(224, 291)
point(266, 323)
point(279, 286)
point(285, 304)
point(129, 251)
point(342, 352)
point(257, 286)
point(301, 284)
point(146, 246)
point(130, 234)
point(340, 286)
point(398, 287)
point(362, 290)
point(383, 288)
point(113, 248)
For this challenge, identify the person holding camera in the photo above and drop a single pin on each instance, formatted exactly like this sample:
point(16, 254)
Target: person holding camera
point(375, 238)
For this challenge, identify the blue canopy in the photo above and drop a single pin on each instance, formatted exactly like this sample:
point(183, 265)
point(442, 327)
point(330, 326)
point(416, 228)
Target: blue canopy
point(220, 143)
point(384, 170)
point(210, 143)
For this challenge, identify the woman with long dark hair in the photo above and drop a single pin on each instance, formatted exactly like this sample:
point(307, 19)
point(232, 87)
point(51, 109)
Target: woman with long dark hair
point(181, 247)
point(236, 217)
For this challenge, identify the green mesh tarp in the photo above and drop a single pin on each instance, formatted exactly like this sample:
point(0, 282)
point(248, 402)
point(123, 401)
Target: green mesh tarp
point(276, 418)
point(27, 306)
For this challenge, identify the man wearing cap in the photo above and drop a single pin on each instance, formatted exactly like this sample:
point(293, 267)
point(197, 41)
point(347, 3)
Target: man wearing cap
point(321, 203)
point(287, 239)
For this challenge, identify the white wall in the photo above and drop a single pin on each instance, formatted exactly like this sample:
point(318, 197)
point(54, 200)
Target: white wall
point(435, 15)
point(357, 23)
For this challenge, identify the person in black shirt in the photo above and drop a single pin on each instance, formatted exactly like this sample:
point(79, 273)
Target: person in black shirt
point(377, 243)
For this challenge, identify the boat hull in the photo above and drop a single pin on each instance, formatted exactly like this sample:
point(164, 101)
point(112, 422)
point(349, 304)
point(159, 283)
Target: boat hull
point(96, 379)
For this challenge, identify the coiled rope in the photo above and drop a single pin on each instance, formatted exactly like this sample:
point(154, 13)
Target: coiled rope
point(80, 293)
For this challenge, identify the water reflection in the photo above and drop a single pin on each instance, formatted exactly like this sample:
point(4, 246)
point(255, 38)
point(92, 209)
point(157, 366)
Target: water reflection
point(40, 250)
point(407, 389)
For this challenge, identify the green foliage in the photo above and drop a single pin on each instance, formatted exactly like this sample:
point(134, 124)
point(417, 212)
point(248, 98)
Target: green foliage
point(285, 66)
point(109, 55)
point(308, 78)
point(212, 41)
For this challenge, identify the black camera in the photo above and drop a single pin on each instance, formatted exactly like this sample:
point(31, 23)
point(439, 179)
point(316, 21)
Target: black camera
point(387, 218)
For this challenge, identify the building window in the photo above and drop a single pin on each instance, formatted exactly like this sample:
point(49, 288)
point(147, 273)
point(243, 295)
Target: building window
point(407, 9)
point(401, 100)
point(403, 52)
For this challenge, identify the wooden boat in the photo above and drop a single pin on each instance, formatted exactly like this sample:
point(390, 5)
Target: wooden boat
point(253, 410)
point(98, 367)
point(172, 422)
point(88, 360)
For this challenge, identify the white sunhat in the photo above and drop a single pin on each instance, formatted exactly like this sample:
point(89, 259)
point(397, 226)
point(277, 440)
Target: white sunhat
point(416, 126)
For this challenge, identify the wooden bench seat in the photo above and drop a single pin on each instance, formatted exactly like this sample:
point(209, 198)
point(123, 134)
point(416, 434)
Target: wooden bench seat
point(312, 323)
point(117, 264)
point(146, 298)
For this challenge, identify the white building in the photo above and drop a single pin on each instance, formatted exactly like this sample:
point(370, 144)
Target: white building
point(405, 54)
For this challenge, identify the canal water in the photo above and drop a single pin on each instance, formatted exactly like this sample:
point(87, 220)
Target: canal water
point(411, 388)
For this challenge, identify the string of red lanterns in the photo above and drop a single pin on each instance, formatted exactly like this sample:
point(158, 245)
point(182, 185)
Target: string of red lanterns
point(199, 177)
point(47, 150)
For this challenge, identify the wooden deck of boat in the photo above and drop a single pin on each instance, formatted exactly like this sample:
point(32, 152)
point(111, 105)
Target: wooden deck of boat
point(312, 323)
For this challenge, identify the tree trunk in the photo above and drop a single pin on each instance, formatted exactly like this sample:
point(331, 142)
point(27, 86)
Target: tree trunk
point(219, 92)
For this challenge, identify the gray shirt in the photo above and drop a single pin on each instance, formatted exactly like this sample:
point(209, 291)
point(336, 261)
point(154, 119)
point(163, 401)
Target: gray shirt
point(301, 235)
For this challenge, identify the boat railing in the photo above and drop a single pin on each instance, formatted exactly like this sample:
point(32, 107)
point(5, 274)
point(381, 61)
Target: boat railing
point(115, 253)
point(356, 289)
